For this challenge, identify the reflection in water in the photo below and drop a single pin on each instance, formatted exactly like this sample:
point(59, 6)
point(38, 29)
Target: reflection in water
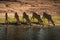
point(45, 34)
point(20, 33)
point(41, 34)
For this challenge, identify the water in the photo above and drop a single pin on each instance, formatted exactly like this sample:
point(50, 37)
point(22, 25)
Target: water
point(13, 32)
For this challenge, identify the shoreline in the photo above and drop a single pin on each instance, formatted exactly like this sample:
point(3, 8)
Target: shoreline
point(28, 26)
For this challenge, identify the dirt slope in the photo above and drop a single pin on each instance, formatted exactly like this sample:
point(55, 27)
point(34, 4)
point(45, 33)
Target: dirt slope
point(51, 7)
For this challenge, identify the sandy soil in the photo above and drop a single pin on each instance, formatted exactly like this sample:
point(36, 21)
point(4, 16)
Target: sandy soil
point(28, 6)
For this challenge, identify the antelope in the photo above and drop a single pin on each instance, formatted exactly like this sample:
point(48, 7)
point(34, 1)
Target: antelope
point(6, 18)
point(38, 17)
point(48, 17)
point(26, 17)
point(17, 17)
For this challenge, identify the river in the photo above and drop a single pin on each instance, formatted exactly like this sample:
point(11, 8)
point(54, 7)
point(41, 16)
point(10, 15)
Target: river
point(16, 32)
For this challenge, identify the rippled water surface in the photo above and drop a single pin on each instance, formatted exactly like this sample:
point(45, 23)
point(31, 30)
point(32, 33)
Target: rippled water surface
point(13, 32)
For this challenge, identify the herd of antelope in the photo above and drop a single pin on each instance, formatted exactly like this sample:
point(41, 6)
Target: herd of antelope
point(35, 15)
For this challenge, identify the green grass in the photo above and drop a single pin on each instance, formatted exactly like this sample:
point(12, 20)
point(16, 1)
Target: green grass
point(13, 20)
point(56, 19)
point(2, 20)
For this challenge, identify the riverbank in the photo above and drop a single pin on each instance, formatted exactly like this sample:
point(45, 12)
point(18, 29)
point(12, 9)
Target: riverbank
point(12, 21)
point(28, 26)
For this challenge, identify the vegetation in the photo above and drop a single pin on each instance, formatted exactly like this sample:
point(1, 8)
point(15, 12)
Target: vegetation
point(13, 20)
